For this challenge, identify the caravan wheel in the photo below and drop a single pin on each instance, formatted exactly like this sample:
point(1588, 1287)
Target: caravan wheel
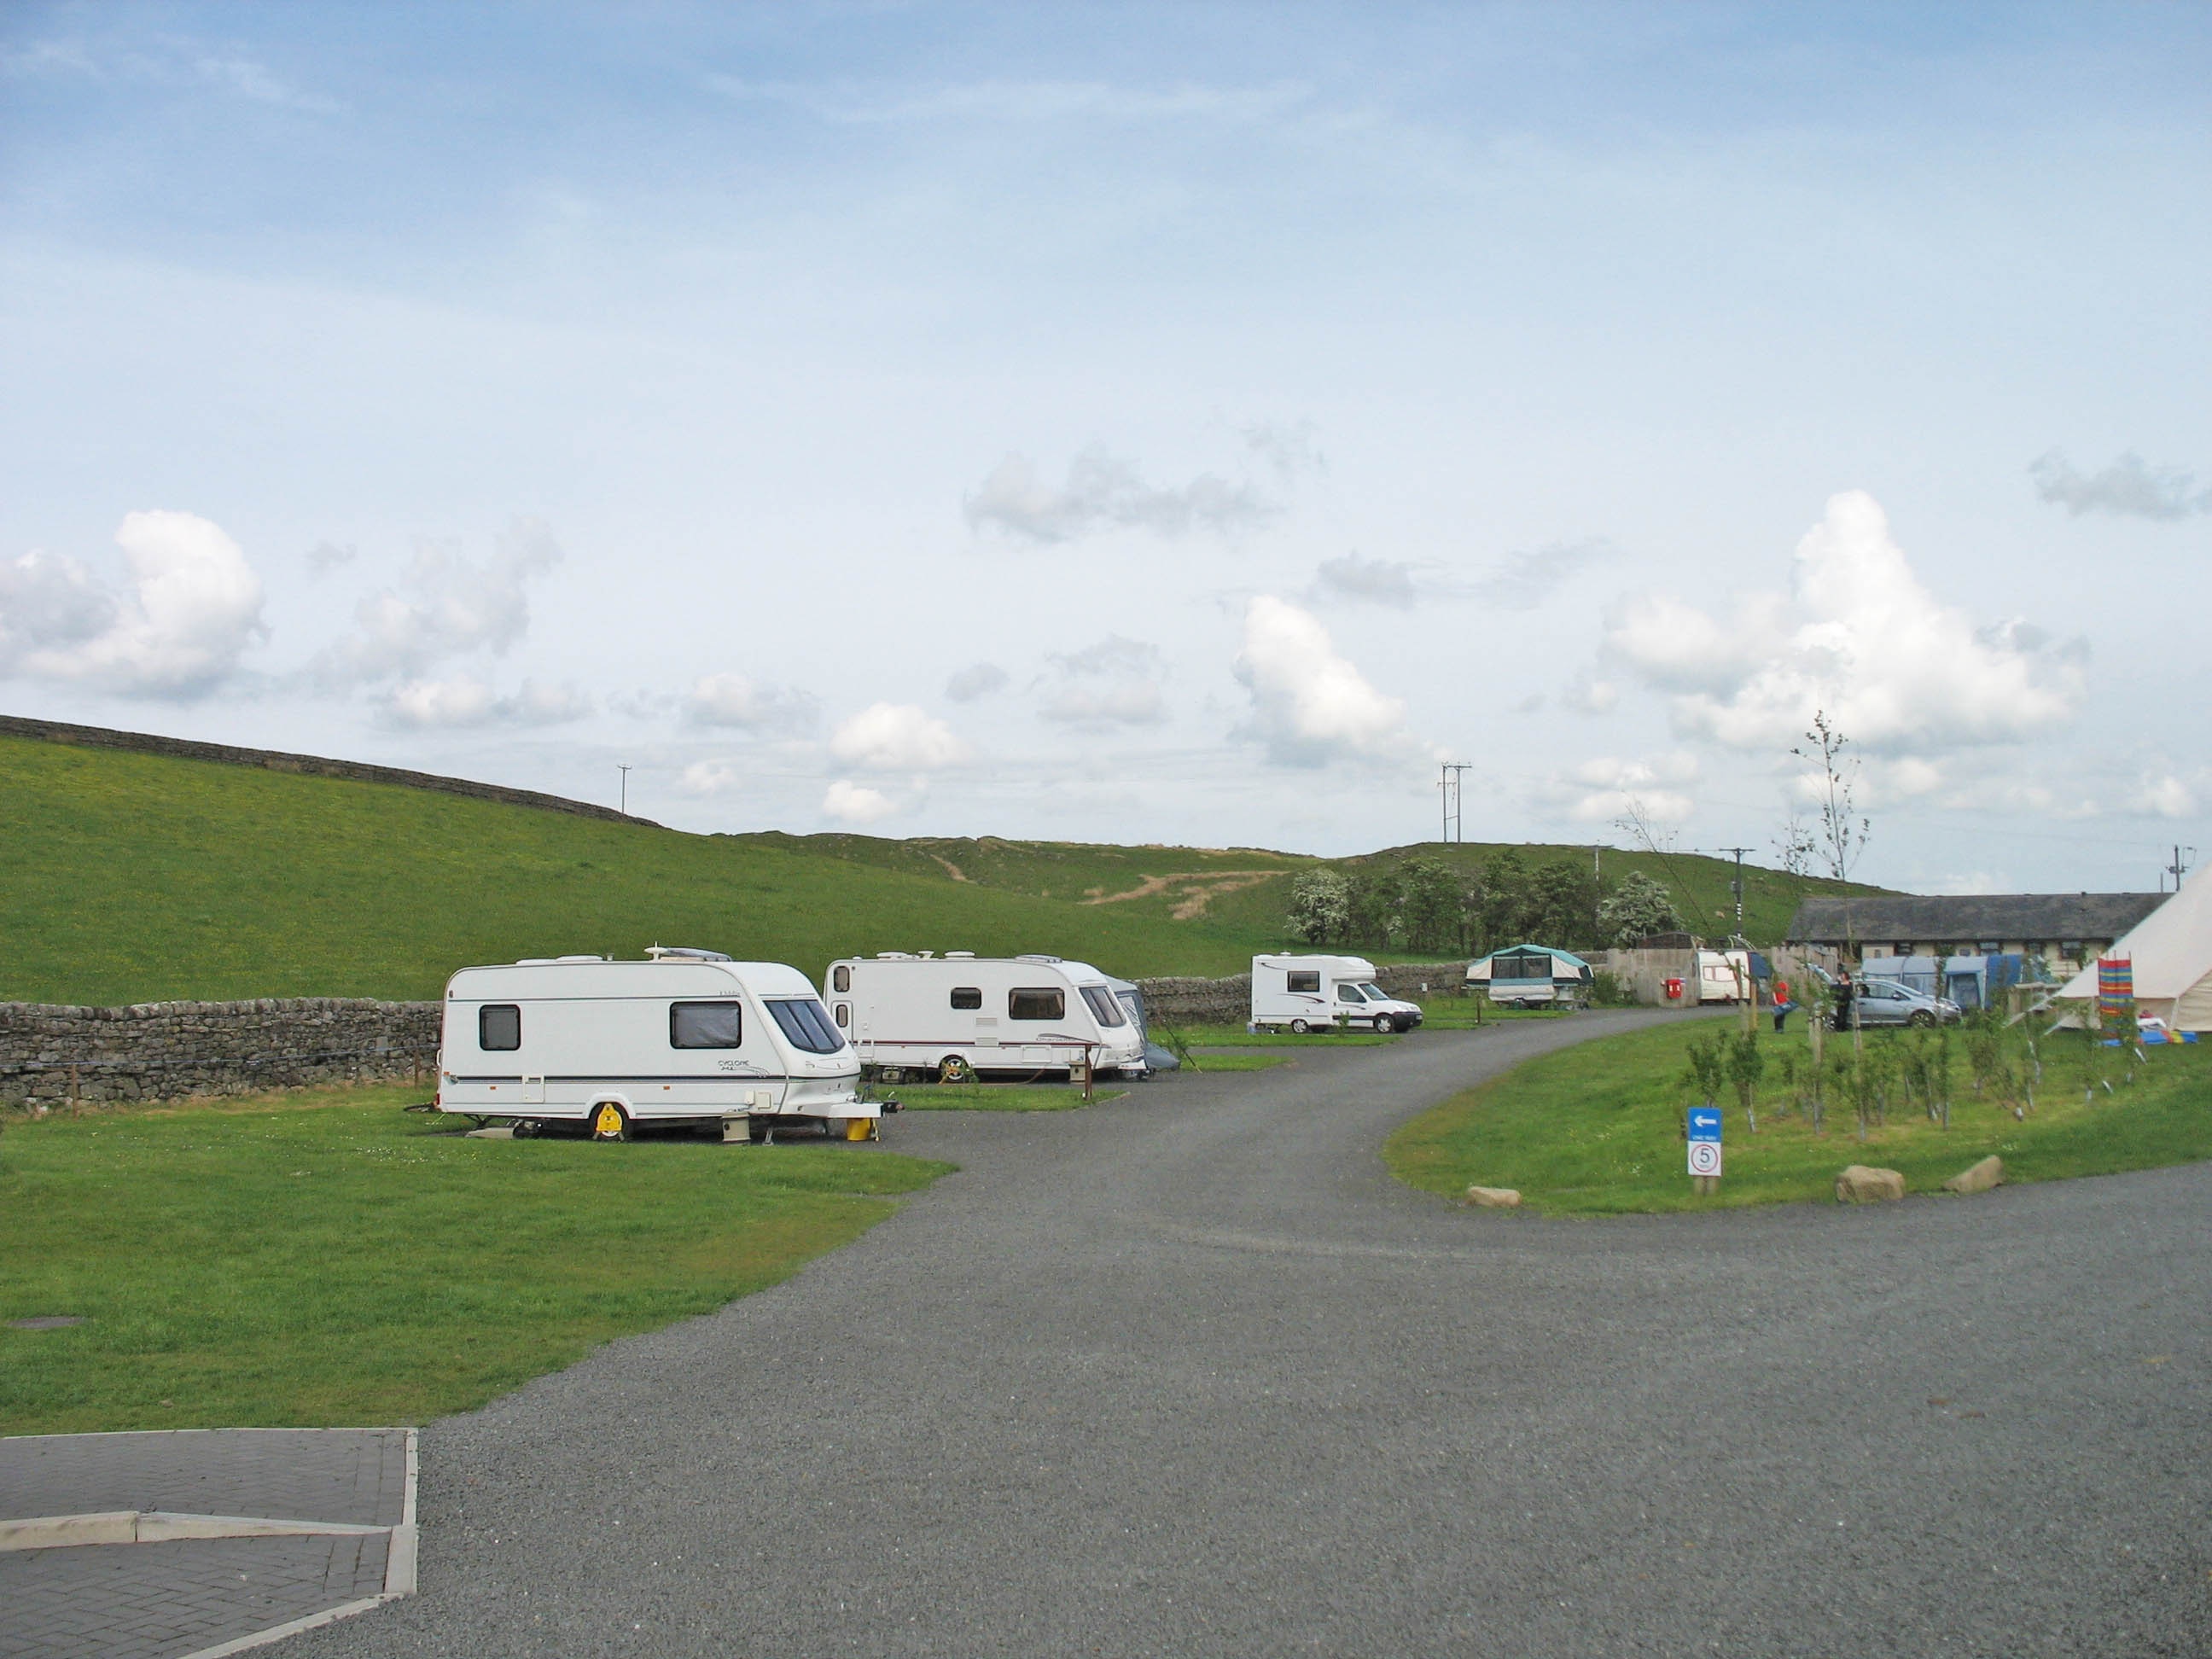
point(954, 1069)
point(610, 1122)
point(1300, 1027)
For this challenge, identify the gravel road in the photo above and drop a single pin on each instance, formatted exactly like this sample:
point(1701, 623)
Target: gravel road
point(1188, 1374)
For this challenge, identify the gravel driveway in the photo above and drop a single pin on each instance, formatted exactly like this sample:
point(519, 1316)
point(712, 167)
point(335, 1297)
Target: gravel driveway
point(1188, 1374)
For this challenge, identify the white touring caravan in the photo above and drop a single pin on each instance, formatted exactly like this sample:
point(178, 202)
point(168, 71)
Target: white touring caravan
point(1724, 975)
point(1315, 994)
point(685, 1036)
point(960, 1014)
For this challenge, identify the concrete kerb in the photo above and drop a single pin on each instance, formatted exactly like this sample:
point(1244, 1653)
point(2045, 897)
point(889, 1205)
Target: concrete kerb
point(127, 1527)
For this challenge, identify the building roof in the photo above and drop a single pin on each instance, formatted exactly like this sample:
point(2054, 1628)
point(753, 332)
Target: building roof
point(1976, 916)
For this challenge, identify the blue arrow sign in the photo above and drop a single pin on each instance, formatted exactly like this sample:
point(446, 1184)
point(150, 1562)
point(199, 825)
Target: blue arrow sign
point(1705, 1123)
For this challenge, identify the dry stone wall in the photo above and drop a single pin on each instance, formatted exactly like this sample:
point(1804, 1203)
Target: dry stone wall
point(51, 1052)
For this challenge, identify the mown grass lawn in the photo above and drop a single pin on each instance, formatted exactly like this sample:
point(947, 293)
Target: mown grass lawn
point(323, 1257)
point(1598, 1129)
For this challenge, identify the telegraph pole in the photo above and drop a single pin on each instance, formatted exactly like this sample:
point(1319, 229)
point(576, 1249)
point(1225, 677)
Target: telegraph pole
point(1737, 885)
point(2178, 868)
point(624, 770)
point(1449, 783)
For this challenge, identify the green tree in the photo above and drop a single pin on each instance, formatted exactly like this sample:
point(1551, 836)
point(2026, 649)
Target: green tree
point(1321, 907)
point(1431, 906)
point(1505, 900)
point(1747, 1064)
point(1562, 904)
point(1638, 907)
point(1376, 897)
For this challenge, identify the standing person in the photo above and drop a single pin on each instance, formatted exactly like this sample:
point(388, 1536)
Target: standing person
point(1783, 1006)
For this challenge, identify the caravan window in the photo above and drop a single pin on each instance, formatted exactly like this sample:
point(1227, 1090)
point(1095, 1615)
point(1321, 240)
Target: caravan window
point(499, 1025)
point(1103, 1005)
point(841, 979)
point(1532, 965)
point(967, 996)
point(1304, 979)
point(1037, 1002)
point(706, 1025)
point(804, 1022)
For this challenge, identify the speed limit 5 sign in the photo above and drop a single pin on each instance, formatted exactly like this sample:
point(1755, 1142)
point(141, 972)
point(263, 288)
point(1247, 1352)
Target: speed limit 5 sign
point(1705, 1157)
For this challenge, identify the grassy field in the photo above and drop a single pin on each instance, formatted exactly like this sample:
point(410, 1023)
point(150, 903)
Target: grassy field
point(323, 1257)
point(1598, 1128)
point(134, 877)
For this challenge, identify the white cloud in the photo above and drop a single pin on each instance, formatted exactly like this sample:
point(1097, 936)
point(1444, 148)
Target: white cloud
point(448, 607)
point(1588, 694)
point(2129, 487)
point(1101, 492)
point(2163, 795)
point(710, 777)
point(896, 738)
point(192, 607)
point(1602, 789)
point(1116, 682)
point(1310, 704)
point(733, 699)
point(1859, 637)
point(1527, 580)
point(1288, 446)
point(464, 700)
point(852, 802)
point(978, 679)
point(1377, 581)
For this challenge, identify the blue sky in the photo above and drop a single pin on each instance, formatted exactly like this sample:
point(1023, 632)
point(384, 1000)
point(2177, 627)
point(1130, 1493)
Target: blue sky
point(1184, 424)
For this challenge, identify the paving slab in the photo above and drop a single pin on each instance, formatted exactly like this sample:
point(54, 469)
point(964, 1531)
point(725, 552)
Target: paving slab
point(165, 1599)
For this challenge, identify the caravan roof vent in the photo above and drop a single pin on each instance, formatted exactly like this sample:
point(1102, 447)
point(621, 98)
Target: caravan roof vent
point(1040, 958)
point(960, 956)
point(682, 953)
point(579, 958)
point(895, 956)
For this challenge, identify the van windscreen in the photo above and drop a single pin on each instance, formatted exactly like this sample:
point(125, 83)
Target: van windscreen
point(806, 1024)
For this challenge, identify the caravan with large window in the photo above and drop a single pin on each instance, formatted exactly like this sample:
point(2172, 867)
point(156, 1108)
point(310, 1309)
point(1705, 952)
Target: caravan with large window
point(685, 1036)
point(959, 1015)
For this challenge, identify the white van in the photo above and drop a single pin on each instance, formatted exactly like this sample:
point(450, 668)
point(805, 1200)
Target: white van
point(1724, 975)
point(960, 1014)
point(1315, 994)
point(685, 1036)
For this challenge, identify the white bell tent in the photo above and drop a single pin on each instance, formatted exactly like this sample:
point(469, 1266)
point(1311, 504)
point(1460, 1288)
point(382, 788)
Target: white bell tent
point(2171, 949)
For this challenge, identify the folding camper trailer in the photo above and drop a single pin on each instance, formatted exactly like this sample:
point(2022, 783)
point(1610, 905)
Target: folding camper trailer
point(685, 1036)
point(1530, 976)
point(961, 1014)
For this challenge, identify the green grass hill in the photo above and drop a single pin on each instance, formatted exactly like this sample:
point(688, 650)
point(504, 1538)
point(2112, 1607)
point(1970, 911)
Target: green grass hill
point(133, 877)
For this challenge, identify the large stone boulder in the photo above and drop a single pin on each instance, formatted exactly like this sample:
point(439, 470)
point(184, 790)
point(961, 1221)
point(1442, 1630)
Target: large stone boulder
point(1860, 1185)
point(1494, 1198)
point(1977, 1177)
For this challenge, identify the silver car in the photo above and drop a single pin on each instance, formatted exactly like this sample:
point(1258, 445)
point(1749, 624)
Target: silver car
point(1889, 1002)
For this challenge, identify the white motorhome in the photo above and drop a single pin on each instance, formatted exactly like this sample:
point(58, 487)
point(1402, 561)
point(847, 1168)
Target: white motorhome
point(683, 1037)
point(1724, 975)
point(1315, 994)
point(960, 1014)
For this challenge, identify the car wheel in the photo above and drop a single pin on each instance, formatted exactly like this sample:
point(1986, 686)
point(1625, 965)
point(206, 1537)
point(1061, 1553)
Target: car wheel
point(610, 1122)
point(1920, 1017)
point(1300, 1027)
point(953, 1069)
point(1383, 1025)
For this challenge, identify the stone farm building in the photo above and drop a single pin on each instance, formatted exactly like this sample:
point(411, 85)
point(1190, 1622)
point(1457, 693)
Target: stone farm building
point(2067, 930)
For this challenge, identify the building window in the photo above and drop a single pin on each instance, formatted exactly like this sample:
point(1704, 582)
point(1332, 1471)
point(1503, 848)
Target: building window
point(2071, 950)
point(705, 1025)
point(967, 996)
point(499, 1026)
point(1037, 1002)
